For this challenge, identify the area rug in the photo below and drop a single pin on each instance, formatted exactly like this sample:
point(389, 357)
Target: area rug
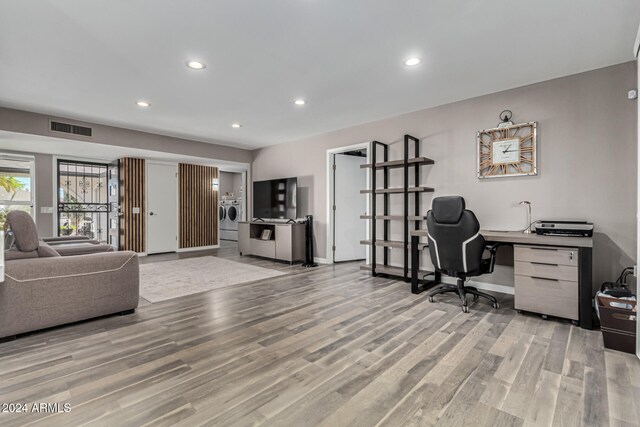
point(164, 280)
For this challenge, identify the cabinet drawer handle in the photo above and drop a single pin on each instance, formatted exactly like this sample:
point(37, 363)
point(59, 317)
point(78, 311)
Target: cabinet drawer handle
point(544, 263)
point(544, 278)
point(543, 249)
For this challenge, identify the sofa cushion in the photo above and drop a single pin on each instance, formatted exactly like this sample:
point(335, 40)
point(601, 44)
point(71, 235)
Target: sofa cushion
point(82, 248)
point(24, 230)
point(44, 250)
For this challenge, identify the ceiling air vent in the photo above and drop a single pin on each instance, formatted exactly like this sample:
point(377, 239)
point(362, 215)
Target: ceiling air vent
point(69, 128)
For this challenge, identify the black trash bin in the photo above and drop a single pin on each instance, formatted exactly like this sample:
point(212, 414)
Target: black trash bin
point(618, 323)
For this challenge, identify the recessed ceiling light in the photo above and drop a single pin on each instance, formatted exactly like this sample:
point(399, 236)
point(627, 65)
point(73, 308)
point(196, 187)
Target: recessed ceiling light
point(236, 125)
point(299, 102)
point(410, 62)
point(144, 104)
point(196, 65)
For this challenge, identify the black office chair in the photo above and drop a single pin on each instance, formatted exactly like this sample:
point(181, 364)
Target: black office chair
point(457, 248)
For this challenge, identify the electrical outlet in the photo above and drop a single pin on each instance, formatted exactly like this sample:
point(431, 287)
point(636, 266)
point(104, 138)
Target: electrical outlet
point(46, 209)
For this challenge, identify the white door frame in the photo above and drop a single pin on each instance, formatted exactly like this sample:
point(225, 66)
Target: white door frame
point(146, 200)
point(363, 145)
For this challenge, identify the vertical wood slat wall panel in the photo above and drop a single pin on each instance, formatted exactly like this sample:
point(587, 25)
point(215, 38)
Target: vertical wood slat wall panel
point(132, 194)
point(198, 210)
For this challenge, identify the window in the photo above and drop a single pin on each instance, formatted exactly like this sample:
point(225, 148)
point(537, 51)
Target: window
point(16, 185)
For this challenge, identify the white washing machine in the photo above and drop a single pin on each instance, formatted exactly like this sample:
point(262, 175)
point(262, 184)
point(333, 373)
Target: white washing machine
point(230, 213)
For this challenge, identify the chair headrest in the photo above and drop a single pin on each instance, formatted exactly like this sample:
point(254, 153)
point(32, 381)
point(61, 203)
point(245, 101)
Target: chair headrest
point(24, 230)
point(448, 209)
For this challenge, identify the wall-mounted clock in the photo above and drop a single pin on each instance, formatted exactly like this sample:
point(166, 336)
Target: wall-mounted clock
point(507, 151)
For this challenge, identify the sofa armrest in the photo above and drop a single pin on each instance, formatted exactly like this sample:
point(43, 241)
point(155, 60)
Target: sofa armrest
point(28, 270)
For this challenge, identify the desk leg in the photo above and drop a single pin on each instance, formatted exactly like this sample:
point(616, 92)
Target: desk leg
point(585, 279)
point(416, 285)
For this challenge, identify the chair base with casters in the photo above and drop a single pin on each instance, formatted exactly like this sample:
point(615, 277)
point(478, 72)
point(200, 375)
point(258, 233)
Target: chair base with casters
point(462, 292)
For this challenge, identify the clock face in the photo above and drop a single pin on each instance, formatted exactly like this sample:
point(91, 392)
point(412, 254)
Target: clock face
point(507, 151)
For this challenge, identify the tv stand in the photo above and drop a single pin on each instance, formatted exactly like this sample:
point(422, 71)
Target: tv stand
point(286, 242)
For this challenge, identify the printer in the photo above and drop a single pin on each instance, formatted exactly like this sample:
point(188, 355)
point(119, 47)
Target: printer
point(564, 228)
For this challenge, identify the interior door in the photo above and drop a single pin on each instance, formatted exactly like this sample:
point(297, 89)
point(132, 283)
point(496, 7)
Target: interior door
point(113, 198)
point(162, 208)
point(349, 204)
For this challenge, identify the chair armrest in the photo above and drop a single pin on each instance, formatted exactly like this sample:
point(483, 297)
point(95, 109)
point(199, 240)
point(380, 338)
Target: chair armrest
point(493, 250)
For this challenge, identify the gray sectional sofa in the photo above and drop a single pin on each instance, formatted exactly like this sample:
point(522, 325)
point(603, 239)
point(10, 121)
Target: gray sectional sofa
point(42, 289)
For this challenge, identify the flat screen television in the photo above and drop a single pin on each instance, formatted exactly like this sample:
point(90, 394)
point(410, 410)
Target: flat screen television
point(275, 199)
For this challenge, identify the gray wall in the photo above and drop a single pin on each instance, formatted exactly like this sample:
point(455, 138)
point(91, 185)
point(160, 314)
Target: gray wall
point(38, 124)
point(586, 159)
point(44, 194)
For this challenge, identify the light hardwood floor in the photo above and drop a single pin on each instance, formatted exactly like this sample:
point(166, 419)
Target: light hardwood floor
point(327, 346)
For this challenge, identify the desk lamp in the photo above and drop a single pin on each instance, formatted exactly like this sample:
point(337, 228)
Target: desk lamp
point(528, 204)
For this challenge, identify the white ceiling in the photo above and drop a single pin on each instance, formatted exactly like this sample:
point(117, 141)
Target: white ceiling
point(92, 60)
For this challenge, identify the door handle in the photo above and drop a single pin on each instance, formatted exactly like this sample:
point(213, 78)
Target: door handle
point(151, 213)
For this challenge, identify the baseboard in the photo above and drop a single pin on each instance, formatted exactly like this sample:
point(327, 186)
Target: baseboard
point(198, 248)
point(483, 286)
point(142, 254)
point(320, 260)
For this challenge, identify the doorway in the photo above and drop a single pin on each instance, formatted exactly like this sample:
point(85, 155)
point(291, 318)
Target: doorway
point(232, 204)
point(347, 204)
point(231, 208)
point(83, 204)
point(162, 208)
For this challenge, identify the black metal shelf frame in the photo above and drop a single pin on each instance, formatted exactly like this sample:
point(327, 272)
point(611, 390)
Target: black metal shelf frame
point(373, 200)
point(416, 200)
point(408, 162)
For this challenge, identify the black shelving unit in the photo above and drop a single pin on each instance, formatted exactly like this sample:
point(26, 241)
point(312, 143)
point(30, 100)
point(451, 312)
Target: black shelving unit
point(408, 164)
